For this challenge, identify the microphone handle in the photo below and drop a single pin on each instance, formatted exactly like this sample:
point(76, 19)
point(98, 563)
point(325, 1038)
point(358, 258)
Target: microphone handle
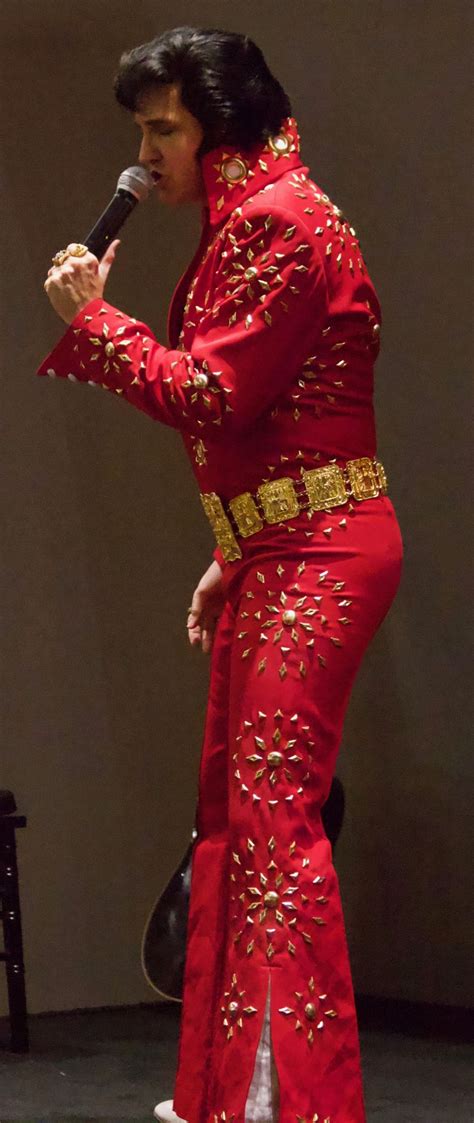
point(108, 225)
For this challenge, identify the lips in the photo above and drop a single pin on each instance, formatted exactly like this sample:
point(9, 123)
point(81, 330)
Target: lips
point(156, 176)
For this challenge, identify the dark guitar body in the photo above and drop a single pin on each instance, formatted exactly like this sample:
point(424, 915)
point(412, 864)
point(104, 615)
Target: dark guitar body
point(164, 938)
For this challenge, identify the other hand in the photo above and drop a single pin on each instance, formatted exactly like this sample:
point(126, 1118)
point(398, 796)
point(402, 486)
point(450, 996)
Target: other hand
point(78, 280)
point(206, 607)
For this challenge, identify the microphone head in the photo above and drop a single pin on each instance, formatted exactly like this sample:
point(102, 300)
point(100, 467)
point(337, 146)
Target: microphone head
point(137, 181)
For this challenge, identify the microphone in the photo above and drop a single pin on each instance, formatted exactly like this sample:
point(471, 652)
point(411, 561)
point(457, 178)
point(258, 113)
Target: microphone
point(134, 185)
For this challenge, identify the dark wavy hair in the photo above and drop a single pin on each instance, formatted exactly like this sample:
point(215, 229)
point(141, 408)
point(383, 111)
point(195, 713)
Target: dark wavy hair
point(224, 82)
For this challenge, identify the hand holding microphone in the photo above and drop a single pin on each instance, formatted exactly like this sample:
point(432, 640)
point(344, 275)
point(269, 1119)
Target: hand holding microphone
point(80, 272)
point(78, 280)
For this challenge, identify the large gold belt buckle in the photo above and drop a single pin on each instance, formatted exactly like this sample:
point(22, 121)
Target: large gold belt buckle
point(363, 478)
point(221, 526)
point(382, 475)
point(279, 500)
point(325, 487)
point(246, 514)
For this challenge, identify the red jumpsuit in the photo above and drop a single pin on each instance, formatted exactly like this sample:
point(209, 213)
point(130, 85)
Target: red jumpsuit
point(273, 334)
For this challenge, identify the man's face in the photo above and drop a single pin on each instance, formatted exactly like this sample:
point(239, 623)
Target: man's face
point(171, 139)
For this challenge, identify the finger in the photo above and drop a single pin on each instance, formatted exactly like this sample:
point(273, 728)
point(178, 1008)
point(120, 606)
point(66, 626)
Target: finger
point(111, 250)
point(69, 270)
point(79, 260)
point(59, 271)
point(193, 630)
point(108, 259)
point(208, 620)
point(59, 280)
point(207, 638)
point(54, 276)
point(196, 607)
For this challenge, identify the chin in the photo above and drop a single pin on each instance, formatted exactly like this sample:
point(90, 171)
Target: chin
point(181, 200)
point(169, 196)
point(177, 198)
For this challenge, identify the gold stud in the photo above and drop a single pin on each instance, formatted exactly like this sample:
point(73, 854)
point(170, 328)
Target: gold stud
point(280, 144)
point(275, 759)
point(234, 170)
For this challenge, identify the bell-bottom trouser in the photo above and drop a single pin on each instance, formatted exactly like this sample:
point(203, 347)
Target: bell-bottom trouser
point(266, 928)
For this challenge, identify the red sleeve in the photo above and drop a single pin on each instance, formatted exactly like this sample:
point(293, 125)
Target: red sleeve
point(219, 557)
point(269, 297)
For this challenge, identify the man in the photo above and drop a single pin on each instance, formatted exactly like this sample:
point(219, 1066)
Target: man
point(273, 334)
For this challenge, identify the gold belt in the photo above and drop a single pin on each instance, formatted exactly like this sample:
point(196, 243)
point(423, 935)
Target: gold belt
point(317, 489)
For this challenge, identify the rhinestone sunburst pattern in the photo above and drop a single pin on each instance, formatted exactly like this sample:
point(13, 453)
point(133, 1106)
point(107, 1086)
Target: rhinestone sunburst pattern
point(290, 623)
point(235, 1009)
point(278, 750)
point(276, 903)
point(310, 1011)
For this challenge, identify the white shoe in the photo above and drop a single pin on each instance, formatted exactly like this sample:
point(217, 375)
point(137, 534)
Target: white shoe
point(164, 1112)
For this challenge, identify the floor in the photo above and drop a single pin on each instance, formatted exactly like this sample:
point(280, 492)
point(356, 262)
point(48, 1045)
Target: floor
point(113, 1066)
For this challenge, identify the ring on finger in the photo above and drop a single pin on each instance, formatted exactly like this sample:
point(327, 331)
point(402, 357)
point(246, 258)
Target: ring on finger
point(59, 257)
point(76, 249)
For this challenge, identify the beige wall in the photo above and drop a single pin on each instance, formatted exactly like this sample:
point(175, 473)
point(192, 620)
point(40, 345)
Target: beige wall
point(103, 539)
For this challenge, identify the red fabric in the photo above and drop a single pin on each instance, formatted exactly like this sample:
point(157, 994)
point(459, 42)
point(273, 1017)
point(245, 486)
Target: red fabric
point(273, 333)
point(288, 352)
point(340, 591)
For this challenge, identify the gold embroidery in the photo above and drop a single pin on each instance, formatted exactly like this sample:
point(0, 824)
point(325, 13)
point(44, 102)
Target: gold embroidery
point(275, 895)
point(234, 1009)
point(309, 1008)
point(200, 452)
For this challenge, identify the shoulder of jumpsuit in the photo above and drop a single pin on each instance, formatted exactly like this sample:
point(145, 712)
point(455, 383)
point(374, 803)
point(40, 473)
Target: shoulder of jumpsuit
point(241, 184)
point(236, 179)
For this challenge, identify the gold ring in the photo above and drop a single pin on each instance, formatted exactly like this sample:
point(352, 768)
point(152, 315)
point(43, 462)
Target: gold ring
point(59, 257)
point(76, 249)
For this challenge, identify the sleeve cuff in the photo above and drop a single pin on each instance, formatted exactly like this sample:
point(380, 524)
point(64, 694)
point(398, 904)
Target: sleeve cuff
point(61, 355)
point(218, 557)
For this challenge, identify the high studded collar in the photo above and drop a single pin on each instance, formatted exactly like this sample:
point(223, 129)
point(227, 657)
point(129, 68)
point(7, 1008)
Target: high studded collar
point(233, 174)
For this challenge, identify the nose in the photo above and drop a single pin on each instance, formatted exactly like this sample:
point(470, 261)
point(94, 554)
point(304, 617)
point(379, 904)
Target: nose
point(148, 153)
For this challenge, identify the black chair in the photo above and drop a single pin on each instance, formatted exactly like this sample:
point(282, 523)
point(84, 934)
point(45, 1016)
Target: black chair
point(10, 916)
